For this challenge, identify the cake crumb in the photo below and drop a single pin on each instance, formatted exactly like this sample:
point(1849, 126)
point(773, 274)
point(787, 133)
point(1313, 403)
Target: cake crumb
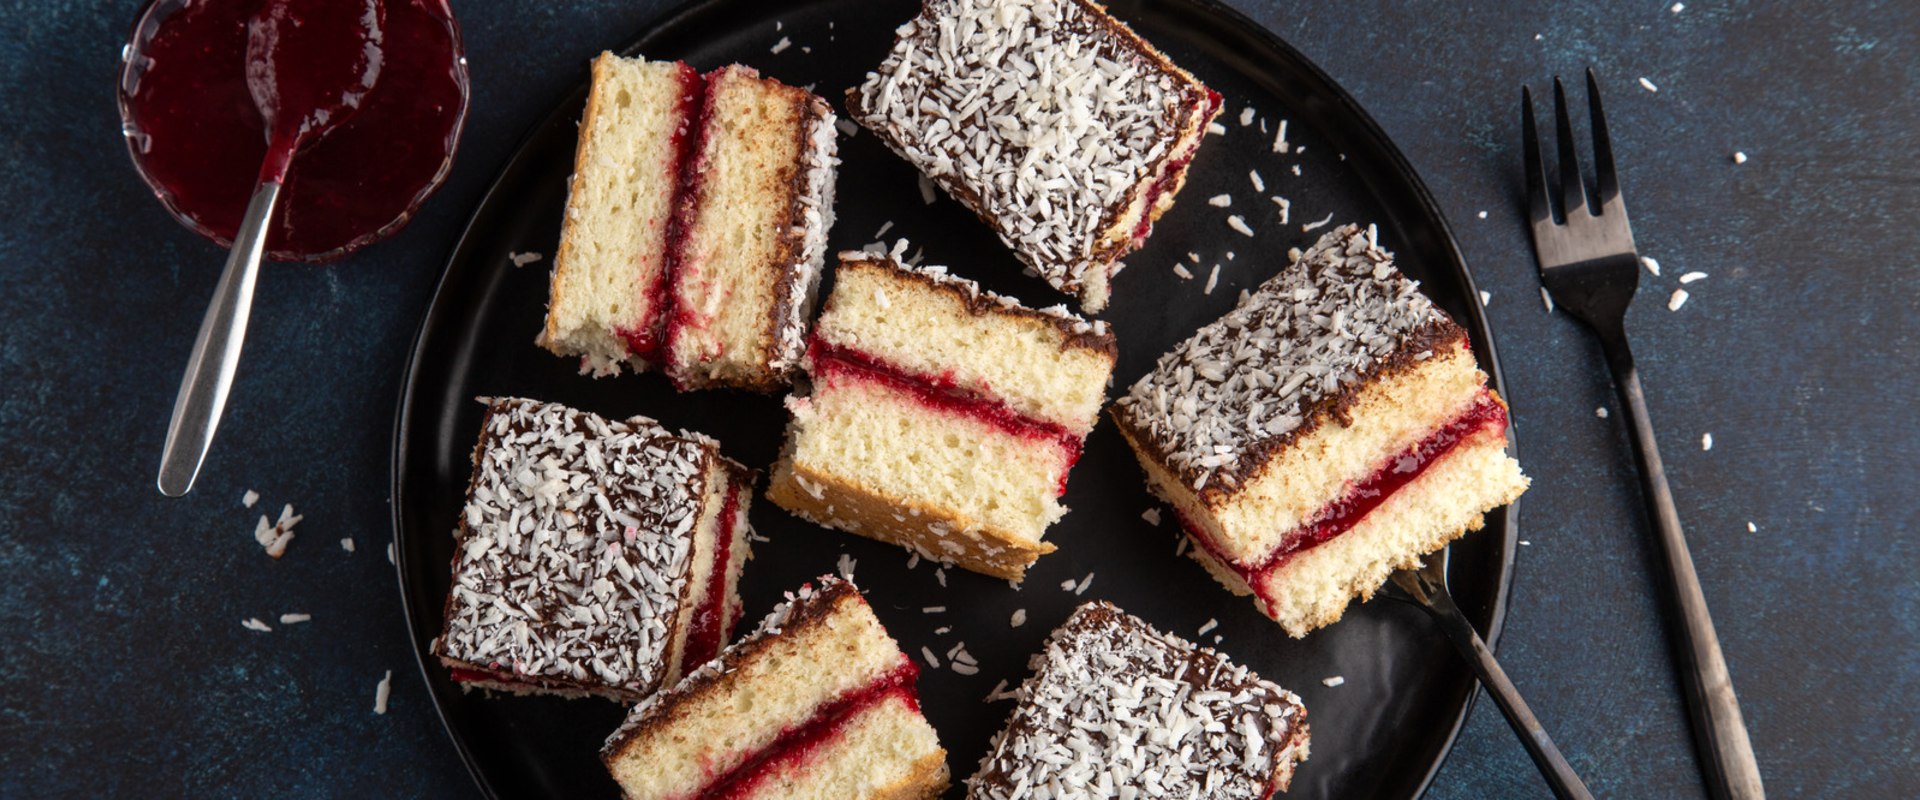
point(1706, 441)
point(933, 661)
point(1211, 624)
point(1678, 299)
point(1546, 299)
point(1308, 228)
point(382, 693)
point(347, 544)
point(254, 624)
point(1739, 157)
point(1220, 200)
point(1692, 276)
point(1648, 85)
point(1152, 516)
point(523, 259)
point(1084, 583)
point(1651, 265)
point(249, 498)
point(1600, 412)
point(926, 189)
point(1258, 185)
point(1333, 681)
point(846, 565)
point(1019, 618)
point(780, 46)
point(291, 619)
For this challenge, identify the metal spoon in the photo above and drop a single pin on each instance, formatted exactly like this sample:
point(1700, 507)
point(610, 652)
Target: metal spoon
point(299, 108)
point(1427, 588)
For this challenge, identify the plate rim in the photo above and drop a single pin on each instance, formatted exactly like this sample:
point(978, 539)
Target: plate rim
point(690, 13)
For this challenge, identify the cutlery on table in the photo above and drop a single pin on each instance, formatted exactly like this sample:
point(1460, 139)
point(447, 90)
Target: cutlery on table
point(1590, 268)
point(1427, 588)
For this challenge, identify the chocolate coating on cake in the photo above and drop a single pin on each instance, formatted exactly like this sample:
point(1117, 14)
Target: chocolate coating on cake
point(1289, 358)
point(1045, 117)
point(1077, 331)
point(1114, 703)
point(574, 549)
point(803, 245)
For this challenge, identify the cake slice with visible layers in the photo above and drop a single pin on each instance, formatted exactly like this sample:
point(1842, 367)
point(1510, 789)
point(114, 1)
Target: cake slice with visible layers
point(818, 702)
point(1331, 429)
point(696, 225)
point(609, 289)
point(1064, 131)
point(942, 418)
point(594, 556)
point(1116, 708)
point(755, 204)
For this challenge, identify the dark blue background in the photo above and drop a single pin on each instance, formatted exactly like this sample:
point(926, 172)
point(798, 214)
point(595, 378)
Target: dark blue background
point(125, 671)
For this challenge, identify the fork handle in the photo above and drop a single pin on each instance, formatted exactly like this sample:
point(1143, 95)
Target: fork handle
point(1720, 734)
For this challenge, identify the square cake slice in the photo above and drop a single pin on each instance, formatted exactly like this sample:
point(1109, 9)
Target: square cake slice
point(594, 556)
point(1115, 705)
point(1331, 429)
point(696, 225)
point(609, 288)
point(818, 703)
point(751, 232)
point(1064, 131)
point(942, 418)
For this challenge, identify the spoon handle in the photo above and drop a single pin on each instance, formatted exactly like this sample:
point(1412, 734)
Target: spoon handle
point(1553, 766)
point(216, 352)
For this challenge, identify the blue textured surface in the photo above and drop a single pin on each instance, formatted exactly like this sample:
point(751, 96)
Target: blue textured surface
point(126, 671)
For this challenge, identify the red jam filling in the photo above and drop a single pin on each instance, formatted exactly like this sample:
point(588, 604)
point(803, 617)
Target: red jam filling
point(686, 200)
point(647, 342)
point(1362, 498)
point(798, 744)
point(198, 138)
point(1175, 169)
point(711, 628)
point(941, 393)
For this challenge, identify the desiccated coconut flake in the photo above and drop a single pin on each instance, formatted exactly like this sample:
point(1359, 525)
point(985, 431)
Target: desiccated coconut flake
point(1246, 116)
point(254, 624)
point(932, 660)
point(1258, 184)
point(1211, 624)
point(926, 189)
point(1280, 138)
point(780, 46)
point(1213, 279)
point(1485, 298)
point(1678, 299)
point(1678, 7)
point(1237, 223)
point(1483, 215)
point(1308, 228)
point(1220, 200)
point(1648, 85)
point(1286, 208)
point(523, 259)
point(249, 498)
point(1651, 265)
point(1182, 271)
point(1084, 583)
point(1600, 412)
point(884, 227)
point(290, 619)
point(1692, 276)
point(934, 610)
point(347, 544)
point(1152, 516)
point(390, 558)
point(1216, 129)
point(940, 575)
point(1333, 681)
point(1752, 528)
point(846, 565)
point(1546, 299)
point(1739, 157)
point(382, 692)
point(1706, 441)
point(1019, 618)
point(1067, 585)
point(847, 127)
point(964, 669)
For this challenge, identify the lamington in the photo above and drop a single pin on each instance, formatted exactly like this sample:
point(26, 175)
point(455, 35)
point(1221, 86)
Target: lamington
point(593, 556)
point(695, 225)
point(818, 702)
point(942, 418)
point(1064, 131)
point(1115, 708)
point(1329, 430)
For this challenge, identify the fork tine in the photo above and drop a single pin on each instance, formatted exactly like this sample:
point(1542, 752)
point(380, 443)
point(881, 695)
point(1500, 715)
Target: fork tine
point(1537, 203)
point(1573, 192)
point(1607, 182)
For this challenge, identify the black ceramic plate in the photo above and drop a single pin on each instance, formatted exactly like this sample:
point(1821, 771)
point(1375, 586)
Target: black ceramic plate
point(1381, 734)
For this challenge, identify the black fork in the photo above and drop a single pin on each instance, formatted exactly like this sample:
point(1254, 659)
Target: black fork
point(1590, 268)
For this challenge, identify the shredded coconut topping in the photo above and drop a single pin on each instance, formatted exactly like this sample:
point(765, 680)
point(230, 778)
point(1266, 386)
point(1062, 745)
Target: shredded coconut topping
point(574, 548)
point(1043, 116)
point(1115, 705)
point(1257, 373)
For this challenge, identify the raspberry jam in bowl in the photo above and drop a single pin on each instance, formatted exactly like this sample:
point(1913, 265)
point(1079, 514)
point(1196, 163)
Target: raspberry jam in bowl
point(198, 138)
